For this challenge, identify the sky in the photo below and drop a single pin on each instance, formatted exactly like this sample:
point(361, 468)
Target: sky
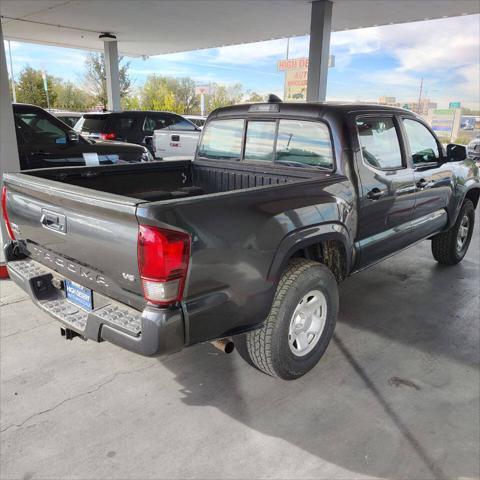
point(370, 62)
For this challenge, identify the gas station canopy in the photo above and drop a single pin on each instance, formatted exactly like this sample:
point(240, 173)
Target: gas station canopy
point(149, 27)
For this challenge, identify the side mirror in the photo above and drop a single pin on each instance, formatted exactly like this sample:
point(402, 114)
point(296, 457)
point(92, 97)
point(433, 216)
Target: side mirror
point(456, 153)
point(73, 136)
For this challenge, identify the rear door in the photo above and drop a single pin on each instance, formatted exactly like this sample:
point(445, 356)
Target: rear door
point(87, 236)
point(386, 197)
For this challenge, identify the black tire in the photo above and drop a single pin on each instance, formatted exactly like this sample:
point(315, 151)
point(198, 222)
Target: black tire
point(268, 348)
point(445, 248)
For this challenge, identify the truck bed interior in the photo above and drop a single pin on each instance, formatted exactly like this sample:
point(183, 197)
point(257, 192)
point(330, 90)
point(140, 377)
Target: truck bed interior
point(176, 179)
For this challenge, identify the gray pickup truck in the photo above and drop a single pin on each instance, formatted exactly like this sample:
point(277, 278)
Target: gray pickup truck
point(247, 241)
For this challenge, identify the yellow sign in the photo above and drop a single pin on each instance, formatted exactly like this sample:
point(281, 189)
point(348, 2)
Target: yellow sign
point(296, 85)
point(296, 77)
point(296, 74)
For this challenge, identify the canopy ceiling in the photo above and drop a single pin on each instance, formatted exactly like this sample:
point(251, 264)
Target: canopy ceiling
point(152, 27)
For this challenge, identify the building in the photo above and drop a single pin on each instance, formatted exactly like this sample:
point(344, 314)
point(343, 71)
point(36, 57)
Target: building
point(387, 101)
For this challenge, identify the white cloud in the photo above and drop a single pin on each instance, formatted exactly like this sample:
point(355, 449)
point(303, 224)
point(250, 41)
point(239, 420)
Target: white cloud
point(436, 48)
point(244, 54)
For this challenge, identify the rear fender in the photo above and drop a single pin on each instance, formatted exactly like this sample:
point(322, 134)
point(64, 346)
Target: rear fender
point(301, 239)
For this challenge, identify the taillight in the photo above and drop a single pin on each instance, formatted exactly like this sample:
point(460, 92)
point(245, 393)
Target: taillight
point(163, 262)
point(108, 136)
point(5, 213)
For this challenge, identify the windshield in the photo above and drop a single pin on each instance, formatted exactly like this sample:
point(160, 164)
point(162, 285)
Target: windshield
point(37, 128)
point(91, 124)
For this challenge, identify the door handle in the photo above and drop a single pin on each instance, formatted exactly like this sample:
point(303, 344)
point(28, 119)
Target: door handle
point(175, 138)
point(375, 194)
point(53, 221)
point(422, 183)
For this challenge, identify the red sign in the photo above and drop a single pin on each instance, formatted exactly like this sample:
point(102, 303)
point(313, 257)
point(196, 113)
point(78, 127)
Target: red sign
point(292, 64)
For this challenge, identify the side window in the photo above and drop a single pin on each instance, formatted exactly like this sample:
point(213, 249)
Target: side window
point(155, 122)
point(379, 142)
point(179, 123)
point(260, 140)
point(123, 122)
point(35, 128)
point(222, 140)
point(423, 145)
point(303, 142)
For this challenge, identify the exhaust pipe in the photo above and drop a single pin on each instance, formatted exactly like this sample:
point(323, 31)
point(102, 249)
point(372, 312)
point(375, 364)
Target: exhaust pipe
point(225, 345)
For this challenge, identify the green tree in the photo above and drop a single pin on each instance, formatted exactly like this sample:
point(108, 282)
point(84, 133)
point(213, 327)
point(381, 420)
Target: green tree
point(254, 97)
point(157, 94)
point(70, 97)
point(223, 96)
point(95, 78)
point(30, 88)
point(186, 100)
point(130, 102)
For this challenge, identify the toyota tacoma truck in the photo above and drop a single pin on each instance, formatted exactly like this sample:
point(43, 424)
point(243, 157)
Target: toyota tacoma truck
point(249, 240)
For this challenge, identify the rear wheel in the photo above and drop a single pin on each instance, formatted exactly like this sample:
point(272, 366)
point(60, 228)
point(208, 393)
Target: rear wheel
point(300, 324)
point(449, 248)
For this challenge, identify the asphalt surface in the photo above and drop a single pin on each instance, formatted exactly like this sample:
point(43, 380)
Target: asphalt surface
point(395, 396)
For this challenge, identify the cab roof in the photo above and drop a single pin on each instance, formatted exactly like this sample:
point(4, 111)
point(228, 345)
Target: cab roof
point(309, 109)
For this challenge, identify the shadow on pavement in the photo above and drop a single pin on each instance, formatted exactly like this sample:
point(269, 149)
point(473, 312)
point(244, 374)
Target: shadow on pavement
point(396, 394)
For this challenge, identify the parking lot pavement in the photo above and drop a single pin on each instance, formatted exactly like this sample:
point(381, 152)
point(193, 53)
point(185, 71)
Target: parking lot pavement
point(396, 395)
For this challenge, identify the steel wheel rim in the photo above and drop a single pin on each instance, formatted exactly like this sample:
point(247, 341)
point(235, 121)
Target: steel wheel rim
point(463, 231)
point(307, 323)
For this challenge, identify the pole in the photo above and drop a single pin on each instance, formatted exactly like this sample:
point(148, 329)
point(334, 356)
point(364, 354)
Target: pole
point(113, 75)
point(319, 50)
point(14, 93)
point(45, 86)
point(420, 97)
point(202, 104)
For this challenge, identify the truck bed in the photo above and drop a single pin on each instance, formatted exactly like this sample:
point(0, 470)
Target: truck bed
point(176, 179)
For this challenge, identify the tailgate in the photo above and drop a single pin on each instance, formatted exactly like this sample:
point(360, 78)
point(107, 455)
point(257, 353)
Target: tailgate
point(85, 235)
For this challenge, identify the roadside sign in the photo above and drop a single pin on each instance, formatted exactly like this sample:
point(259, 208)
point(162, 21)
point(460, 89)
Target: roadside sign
point(296, 85)
point(202, 90)
point(292, 64)
point(299, 63)
point(454, 105)
point(445, 122)
point(296, 77)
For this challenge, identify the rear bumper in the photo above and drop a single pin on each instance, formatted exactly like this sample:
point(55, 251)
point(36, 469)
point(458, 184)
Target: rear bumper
point(155, 331)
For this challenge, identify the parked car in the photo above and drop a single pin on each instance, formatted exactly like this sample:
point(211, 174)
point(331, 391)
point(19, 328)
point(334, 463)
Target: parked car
point(249, 240)
point(138, 127)
point(198, 120)
point(70, 118)
point(45, 141)
point(473, 149)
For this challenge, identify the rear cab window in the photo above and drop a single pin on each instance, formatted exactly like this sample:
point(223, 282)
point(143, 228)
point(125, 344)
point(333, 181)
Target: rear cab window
point(222, 140)
point(294, 143)
point(304, 143)
point(260, 141)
